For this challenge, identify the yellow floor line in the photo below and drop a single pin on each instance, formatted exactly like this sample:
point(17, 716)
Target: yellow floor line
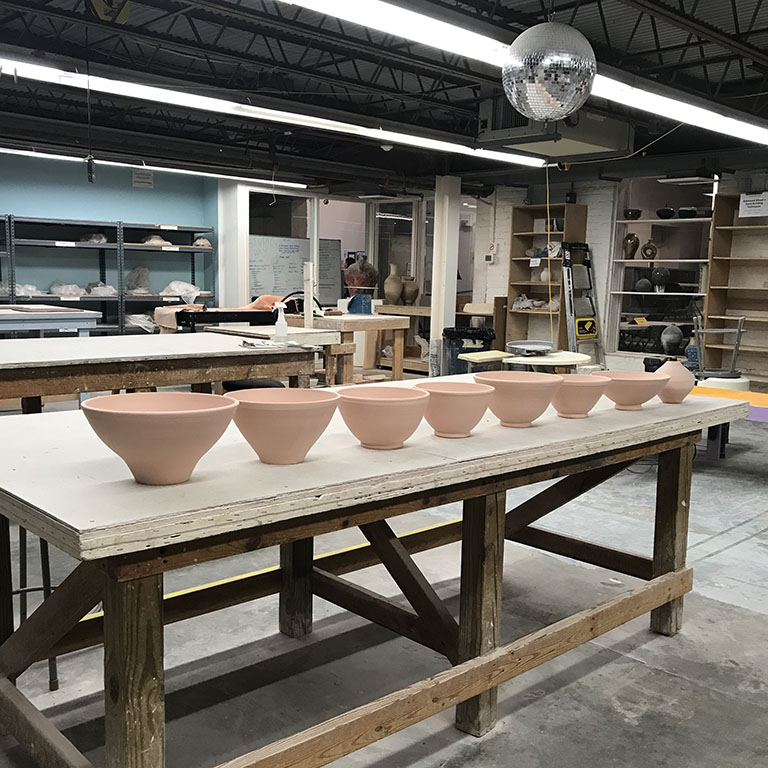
point(232, 579)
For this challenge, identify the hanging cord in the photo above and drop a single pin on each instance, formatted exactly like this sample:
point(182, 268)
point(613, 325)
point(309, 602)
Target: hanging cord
point(90, 165)
point(549, 262)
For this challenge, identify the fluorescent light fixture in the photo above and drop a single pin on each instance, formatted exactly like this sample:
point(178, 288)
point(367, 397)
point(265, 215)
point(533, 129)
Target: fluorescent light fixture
point(183, 171)
point(197, 103)
point(411, 25)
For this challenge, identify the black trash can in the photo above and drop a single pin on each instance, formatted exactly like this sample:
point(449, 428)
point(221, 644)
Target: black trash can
point(457, 341)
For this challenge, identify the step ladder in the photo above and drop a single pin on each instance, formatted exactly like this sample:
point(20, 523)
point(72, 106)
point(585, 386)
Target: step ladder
point(580, 301)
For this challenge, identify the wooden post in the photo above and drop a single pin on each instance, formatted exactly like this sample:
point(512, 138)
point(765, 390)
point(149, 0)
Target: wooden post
point(398, 353)
point(6, 581)
point(133, 673)
point(31, 404)
point(673, 496)
point(296, 563)
point(482, 560)
point(346, 363)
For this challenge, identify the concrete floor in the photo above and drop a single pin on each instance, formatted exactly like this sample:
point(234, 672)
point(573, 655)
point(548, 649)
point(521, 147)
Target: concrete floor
point(628, 699)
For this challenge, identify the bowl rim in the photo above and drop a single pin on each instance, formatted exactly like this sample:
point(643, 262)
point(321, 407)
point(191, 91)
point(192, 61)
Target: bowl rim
point(410, 393)
point(586, 378)
point(508, 377)
point(224, 403)
point(635, 376)
point(442, 387)
point(323, 397)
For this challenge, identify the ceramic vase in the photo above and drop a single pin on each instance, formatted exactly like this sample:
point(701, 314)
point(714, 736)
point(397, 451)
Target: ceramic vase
point(361, 274)
point(649, 251)
point(393, 286)
point(630, 244)
point(681, 382)
point(410, 291)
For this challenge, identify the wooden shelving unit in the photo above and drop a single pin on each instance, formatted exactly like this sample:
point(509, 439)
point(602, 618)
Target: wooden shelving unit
point(529, 230)
point(738, 284)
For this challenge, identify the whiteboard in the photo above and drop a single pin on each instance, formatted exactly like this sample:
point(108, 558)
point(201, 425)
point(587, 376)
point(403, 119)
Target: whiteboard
point(276, 266)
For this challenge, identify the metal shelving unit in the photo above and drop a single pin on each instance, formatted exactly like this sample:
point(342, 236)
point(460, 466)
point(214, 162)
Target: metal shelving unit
point(116, 249)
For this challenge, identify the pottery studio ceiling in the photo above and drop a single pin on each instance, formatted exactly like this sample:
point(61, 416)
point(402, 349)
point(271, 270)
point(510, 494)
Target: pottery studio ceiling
point(278, 55)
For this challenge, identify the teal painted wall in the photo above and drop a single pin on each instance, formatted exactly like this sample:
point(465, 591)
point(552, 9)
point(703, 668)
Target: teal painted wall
point(60, 189)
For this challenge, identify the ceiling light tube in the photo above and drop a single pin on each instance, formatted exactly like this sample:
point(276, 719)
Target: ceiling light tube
point(411, 25)
point(195, 102)
point(186, 172)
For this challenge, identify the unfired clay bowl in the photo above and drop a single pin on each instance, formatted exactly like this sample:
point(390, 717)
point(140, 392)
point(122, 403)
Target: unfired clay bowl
point(578, 395)
point(160, 435)
point(455, 407)
point(382, 417)
point(630, 389)
point(520, 397)
point(281, 425)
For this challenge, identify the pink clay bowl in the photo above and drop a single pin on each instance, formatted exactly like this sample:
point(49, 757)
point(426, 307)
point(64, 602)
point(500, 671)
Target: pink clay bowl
point(520, 397)
point(382, 417)
point(455, 408)
point(578, 395)
point(282, 425)
point(630, 389)
point(160, 435)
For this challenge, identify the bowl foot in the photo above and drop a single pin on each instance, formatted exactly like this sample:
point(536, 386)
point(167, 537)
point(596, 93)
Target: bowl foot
point(517, 426)
point(451, 436)
point(152, 479)
point(573, 415)
point(629, 407)
point(393, 447)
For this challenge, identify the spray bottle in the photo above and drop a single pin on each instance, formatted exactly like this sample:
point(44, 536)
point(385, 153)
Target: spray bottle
point(281, 326)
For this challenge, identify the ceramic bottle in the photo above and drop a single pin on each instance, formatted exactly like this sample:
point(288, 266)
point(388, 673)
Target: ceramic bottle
point(410, 291)
point(393, 286)
point(680, 383)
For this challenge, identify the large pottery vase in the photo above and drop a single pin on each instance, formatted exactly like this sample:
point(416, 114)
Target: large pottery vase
point(410, 291)
point(680, 384)
point(393, 286)
point(361, 275)
point(630, 244)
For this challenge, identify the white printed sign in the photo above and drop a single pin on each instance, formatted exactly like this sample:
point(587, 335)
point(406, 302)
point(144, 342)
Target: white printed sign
point(143, 179)
point(753, 205)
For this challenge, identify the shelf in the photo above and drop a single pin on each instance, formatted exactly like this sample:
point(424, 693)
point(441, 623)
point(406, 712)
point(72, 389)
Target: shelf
point(66, 222)
point(536, 234)
point(543, 258)
point(167, 227)
point(743, 227)
point(544, 312)
point(50, 297)
point(167, 248)
point(409, 364)
point(736, 318)
point(650, 323)
point(534, 282)
point(754, 259)
point(159, 297)
point(650, 262)
point(74, 244)
point(668, 222)
point(407, 311)
point(654, 294)
point(742, 348)
point(735, 288)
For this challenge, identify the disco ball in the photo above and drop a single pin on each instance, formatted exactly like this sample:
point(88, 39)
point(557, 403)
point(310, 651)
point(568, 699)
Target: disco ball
point(549, 71)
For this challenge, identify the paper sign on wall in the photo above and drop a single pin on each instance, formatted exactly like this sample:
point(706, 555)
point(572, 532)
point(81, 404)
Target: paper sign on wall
point(753, 205)
point(143, 179)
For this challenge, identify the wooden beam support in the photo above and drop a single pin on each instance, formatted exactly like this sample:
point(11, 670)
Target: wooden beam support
point(328, 741)
point(375, 608)
point(134, 689)
point(560, 493)
point(6, 581)
point(673, 501)
point(617, 560)
point(417, 590)
point(296, 560)
point(482, 562)
point(58, 615)
point(46, 745)
point(133, 566)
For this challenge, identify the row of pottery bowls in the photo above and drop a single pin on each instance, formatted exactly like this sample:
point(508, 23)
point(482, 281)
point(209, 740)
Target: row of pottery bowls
point(282, 425)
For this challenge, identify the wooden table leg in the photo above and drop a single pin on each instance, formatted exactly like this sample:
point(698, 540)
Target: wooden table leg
point(482, 561)
point(673, 496)
point(206, 387)
point(346, 367)
point(301, 380)
point(330, 367)
point(6, 581)
point(296, 563)
point(398, 353)
point(32, 404)
point(133, 673)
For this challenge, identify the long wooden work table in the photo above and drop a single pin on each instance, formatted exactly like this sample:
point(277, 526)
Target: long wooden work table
point(59, 481)
point(33, 368)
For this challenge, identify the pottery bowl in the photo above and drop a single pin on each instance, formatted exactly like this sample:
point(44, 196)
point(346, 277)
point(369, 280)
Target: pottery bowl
point(455, 407)
point(688, 212)
point(578, 395)
point(281, 425)
point(520, 397)
point(382, 417)
point(160, 435)
point(665, 213)
point(630, 389)
point(632, 213)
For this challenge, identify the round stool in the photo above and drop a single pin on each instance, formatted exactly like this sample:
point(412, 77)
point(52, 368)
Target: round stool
point(741, 383)
point(235, 384)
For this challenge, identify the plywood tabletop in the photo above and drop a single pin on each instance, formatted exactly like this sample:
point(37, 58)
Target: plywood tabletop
point(354, 322)
point(316, 336)
point(42, 312)
point(58, 479)
point(27, 353)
